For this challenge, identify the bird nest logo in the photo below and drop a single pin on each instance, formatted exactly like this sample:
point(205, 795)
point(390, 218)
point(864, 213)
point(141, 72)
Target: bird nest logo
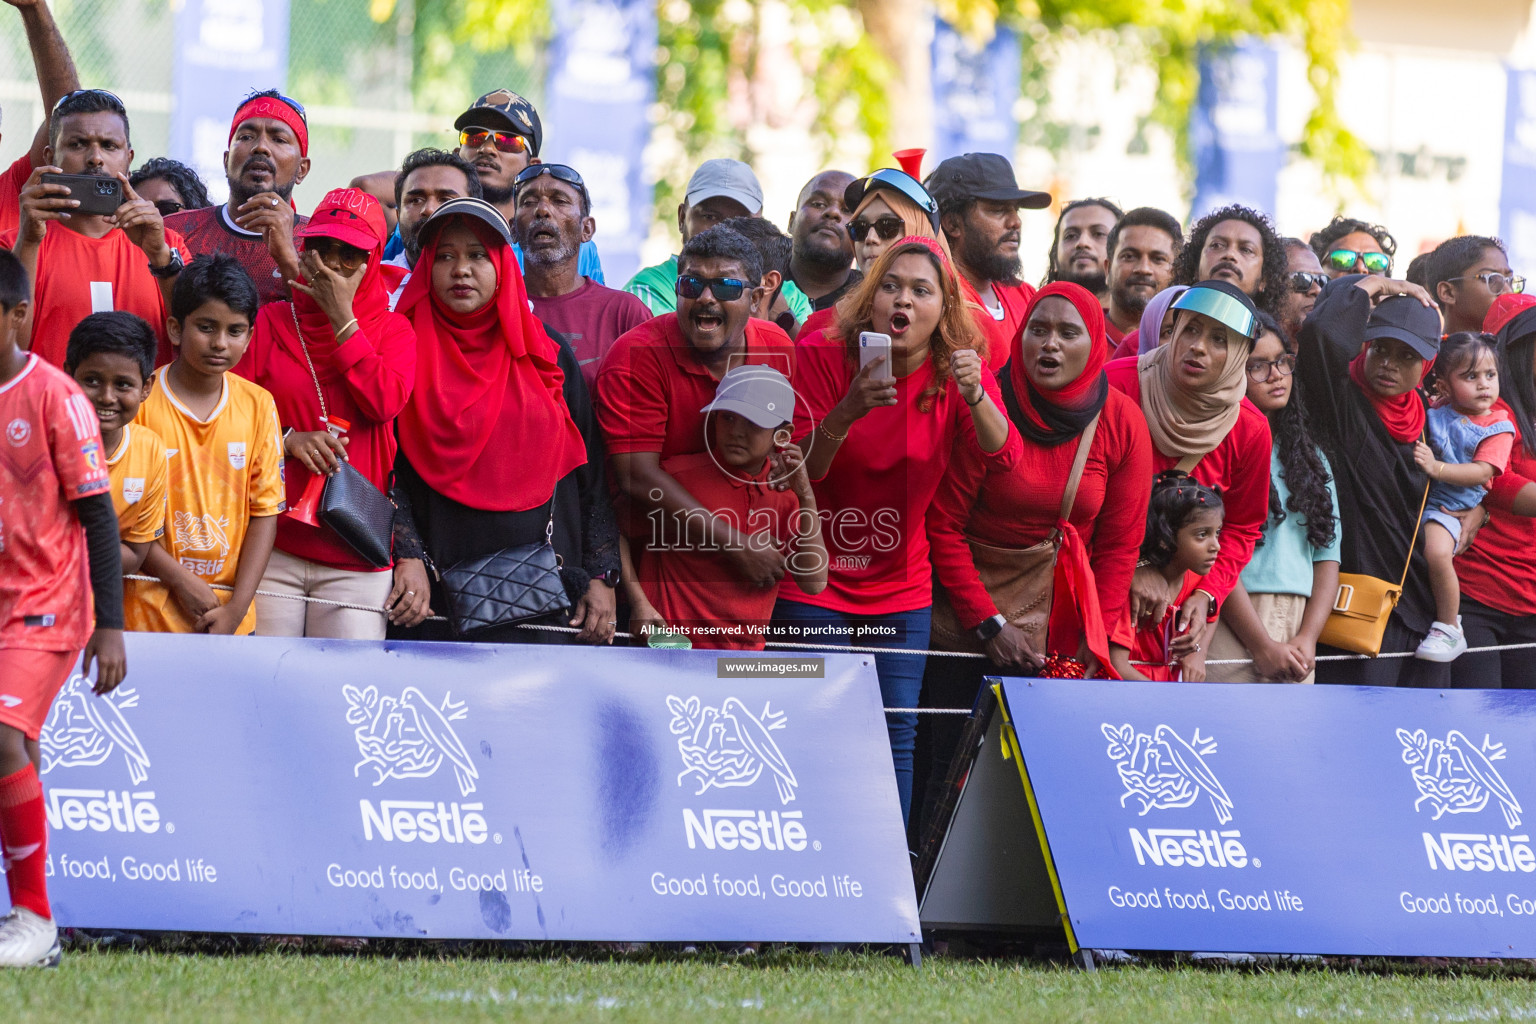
point(1455, 776)
point(408, 737)
point(84, 730)
point(728, 746)
point(1164, 771)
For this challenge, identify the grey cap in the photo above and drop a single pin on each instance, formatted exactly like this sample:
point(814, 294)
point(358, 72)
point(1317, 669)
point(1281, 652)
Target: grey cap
point(760, 394)
point(729, 178)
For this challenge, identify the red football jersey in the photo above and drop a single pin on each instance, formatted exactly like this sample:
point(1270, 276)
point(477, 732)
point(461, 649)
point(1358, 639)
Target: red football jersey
point(49, 457)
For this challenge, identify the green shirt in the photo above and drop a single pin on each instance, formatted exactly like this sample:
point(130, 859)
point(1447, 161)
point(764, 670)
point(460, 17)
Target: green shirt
point(657, 288)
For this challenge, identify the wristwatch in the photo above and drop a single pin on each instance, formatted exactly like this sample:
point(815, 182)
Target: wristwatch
point(171, 269)
point(611, 577)
point(990, 628)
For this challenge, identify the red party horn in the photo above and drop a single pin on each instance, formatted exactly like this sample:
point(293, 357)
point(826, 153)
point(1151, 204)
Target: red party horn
point(911, 161)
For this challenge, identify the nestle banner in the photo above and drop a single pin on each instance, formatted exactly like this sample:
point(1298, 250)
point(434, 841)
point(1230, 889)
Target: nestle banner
point(476, 791)
point(1286, 819)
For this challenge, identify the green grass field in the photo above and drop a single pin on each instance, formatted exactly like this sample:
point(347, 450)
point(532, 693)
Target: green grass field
point(123, 986)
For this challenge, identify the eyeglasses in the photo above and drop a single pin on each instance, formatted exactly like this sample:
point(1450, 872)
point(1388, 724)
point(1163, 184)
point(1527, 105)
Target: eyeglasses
point(1345, 259)
point(1498, 284)
point(169, 206)
point(560, 172)
point(1303, 282)
point(506, 142)
point(111, 96)
point(1261, 370)
point(349, 256)
point(724, 289)
point(887, 227)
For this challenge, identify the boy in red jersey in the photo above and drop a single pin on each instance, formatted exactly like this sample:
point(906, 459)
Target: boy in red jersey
point(53, 481)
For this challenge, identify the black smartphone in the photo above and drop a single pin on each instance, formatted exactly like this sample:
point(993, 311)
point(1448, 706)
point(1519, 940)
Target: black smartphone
point(96, 195)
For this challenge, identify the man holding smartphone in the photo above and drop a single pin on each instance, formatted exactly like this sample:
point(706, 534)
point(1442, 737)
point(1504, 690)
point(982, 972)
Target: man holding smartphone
point(55, 76)
point(83, 263)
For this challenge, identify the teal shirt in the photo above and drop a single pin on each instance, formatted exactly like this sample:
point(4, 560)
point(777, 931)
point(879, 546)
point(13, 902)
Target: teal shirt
point(1283, 563)
point(657, 288)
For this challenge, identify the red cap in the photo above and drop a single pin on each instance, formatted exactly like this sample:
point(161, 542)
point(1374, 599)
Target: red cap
point(348, 215)
point(1504, 309)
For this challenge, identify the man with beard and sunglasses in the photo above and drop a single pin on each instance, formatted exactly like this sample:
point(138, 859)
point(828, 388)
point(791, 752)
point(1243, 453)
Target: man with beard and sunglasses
point(553, 219)
point(83, 263)
point(1304, 285)
point(56, 77)
point(979, 201)
point(1142, 248)
point(268, 156)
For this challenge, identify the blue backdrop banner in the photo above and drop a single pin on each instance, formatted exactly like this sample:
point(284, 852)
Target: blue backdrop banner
point(223, 51)
point(476, 791)
point(1286, 819)
point(1517, 194)
point(974, 88)
point(1234, 139)
point(596, 116)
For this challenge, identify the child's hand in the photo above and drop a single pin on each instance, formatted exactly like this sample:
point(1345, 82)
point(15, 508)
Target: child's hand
point(106, 648)
point(196, 598)
point(1424, 456)
point(1192, 667)
point(789, 466)
point(220, 621)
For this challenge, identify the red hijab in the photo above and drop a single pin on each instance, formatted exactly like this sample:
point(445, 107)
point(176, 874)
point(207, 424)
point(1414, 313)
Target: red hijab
point(487, 423)
point(1402, 415)
point(1051, 418)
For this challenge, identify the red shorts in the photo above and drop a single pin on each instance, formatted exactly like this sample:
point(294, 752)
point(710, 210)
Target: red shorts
point(29, 680)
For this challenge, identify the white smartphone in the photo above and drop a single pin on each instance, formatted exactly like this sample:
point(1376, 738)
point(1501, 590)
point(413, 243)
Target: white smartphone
point(872, 345)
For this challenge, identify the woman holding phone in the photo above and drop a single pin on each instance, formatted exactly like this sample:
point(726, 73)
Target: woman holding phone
point(878, 440)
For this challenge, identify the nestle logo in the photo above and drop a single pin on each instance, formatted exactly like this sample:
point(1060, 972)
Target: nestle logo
point(745, 830)
point(1479, 851)
point(409, 821)
point(102, 810)
point(1190, 848)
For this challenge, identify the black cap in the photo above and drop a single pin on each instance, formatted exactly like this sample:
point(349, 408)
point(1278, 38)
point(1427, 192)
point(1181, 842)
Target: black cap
point(1408, 320)
point(983, 176)
point(505, 109)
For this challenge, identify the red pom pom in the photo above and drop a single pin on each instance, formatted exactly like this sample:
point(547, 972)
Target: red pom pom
point(1061, 667)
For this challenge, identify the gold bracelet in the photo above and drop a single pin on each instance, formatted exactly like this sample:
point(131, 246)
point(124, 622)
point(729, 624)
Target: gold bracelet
point(349, 323)
point(822, 426)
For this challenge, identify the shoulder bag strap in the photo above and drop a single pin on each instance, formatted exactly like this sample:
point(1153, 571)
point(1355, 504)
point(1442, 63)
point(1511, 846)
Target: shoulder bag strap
point(1417, 524)
point(325, 416)
point(1084, 442)
point(1189, 462)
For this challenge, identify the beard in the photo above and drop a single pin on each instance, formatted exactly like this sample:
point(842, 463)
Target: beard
point(1130, 299)
point(496, 196)
point(986, 262)
point(1094, 282)
point(551, 257)
point(239, 194)
point(822, 256)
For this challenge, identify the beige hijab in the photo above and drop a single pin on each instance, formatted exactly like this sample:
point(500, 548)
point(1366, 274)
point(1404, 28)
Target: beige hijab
point(916, 221)
point(1185, 422)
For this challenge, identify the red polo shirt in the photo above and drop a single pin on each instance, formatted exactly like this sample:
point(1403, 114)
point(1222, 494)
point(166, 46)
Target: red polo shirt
point(651, 385)
point(698, 592)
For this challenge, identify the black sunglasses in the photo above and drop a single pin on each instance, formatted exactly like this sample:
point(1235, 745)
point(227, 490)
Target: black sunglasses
point(112, 96)
point(724, 289)
point(560, 172)
point(1303, 282)
point(887, 227)
point(295, 104)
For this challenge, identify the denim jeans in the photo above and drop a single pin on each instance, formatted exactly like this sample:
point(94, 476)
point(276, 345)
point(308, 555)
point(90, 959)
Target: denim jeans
point(901, 675)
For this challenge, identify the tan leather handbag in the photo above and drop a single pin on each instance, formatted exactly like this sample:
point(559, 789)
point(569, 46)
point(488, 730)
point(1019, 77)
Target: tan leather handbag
point(1019, 580)
point(1364, 603)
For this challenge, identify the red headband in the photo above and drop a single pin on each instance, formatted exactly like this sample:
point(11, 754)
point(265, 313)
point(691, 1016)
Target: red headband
point(271, 106)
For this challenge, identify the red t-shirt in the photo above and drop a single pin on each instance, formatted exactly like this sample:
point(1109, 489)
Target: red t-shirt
point(11, 184)
point(50, 457)
point(876, 493)
point(1129, 345)
point(1017, 508)
point(1238, 467)
point(1150, 646)
point(1499, 569)
point(366, 380)
point(210, 230)
point(78, 276)
point(651, 387)
point(821, 320)
point(698, 592)
point(1000, 331)
point(592, 318)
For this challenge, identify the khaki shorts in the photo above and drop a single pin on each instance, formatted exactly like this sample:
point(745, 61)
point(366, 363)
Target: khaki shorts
point(1281, 616)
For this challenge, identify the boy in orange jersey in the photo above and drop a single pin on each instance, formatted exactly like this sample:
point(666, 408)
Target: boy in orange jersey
point(112, 358)
point(224, 481)
point(53, 482)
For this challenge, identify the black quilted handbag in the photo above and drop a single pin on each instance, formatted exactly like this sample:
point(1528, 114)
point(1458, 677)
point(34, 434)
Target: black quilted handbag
point(505, 587)
point(360, 514)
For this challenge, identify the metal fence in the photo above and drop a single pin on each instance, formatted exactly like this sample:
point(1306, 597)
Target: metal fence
point(368, 101)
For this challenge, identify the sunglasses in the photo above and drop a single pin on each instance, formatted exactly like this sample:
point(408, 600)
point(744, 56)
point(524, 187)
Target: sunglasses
point(900, 181)
point(1498, 284)
point(1303, 282)
point(560, 172)
point(1261, 370)
point(111, 96)
point(724, 289)
point(506, 142)
point(887, 227)
point(1345, 259)
point(298, 108)
point(349, 256)
point(169, 206)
